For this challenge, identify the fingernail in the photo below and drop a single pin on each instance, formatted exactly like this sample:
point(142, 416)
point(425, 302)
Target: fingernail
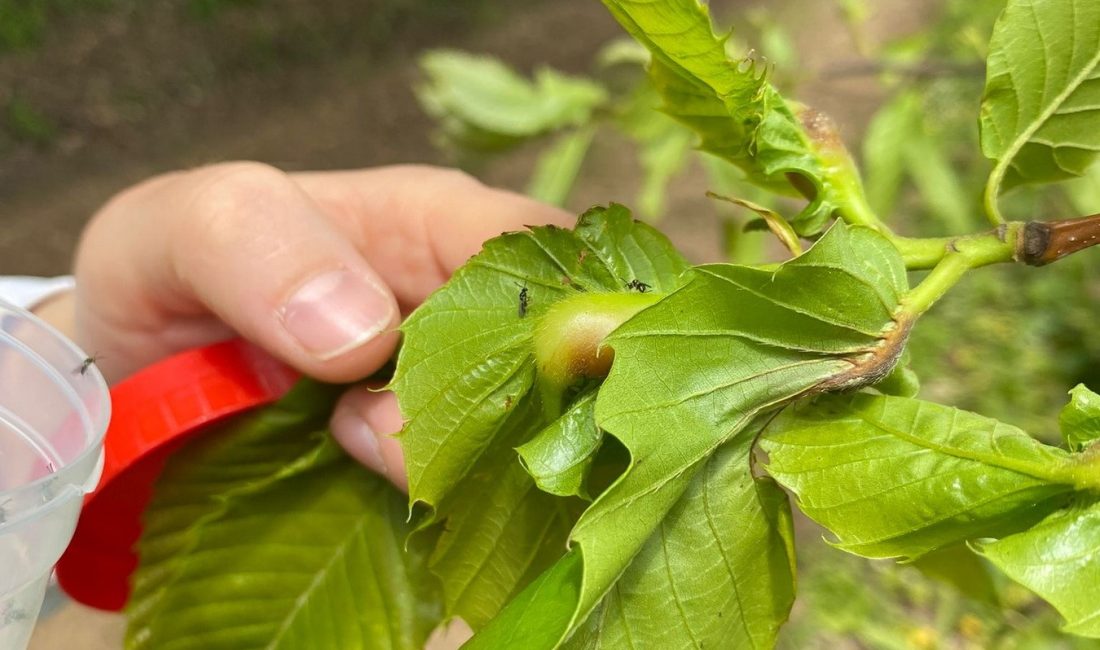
point(336, 312)
point(359, 439)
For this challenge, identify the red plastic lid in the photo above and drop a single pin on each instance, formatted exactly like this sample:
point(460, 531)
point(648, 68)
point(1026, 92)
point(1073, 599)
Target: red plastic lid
point(153, 414)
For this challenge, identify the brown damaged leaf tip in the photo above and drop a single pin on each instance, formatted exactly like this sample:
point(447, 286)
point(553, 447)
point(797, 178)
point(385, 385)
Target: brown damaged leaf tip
point(1043, 242)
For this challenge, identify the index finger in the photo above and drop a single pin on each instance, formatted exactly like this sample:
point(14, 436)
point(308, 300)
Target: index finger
point(416, 224)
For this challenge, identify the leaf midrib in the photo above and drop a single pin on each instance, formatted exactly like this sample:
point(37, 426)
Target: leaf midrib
point(978, 457)
point(1009, 154)
point(319, 577)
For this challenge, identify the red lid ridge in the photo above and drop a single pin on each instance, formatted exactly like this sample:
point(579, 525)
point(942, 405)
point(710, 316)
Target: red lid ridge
point(153, 414)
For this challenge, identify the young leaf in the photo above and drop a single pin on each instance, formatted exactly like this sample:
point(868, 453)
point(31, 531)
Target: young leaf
point(888, 136)
point(1041, 106)
point(1084, 193)
point(733, 533)
point(1080, 419)
point(264, 535)
point(939, 184)
point(663, 146)
point(897, 477)
point(559, 457)
point(457, 397)
point(481, 372)
point(482, 104)
point(539, 615)
point(1059, 559)
point(739, 116)
point(775, 222)
point(557, 168)
point(762, 338)
point(959, 566)
point(500, 532)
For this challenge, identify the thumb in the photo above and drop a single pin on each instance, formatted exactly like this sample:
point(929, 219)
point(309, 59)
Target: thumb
point(364, 423)
point(180, 261)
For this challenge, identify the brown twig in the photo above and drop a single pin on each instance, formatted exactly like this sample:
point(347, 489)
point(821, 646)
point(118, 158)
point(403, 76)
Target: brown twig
point(1043, 242)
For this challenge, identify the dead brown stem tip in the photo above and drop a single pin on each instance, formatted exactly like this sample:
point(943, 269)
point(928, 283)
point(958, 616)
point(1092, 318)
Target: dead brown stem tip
point(1043, 242)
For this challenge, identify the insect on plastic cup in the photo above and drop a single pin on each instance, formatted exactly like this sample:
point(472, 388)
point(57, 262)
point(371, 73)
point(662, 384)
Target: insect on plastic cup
point(54, 409)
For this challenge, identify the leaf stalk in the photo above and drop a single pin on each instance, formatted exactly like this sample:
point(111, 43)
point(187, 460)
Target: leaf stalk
point(960, 255)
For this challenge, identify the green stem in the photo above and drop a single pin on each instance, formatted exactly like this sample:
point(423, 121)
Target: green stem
point(857, 211)
point(919, 253)
point(989, 197)
point(960, 256)
point(1085, 473)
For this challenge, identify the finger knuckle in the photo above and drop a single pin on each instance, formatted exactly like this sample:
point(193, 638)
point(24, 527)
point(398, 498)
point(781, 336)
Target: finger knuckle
point(226, 196)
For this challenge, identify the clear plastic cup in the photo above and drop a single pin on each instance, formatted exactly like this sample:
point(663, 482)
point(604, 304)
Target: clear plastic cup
point(54, 409)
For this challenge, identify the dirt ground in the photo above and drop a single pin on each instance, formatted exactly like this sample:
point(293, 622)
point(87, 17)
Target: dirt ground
point(124, 109)
point(188, 98)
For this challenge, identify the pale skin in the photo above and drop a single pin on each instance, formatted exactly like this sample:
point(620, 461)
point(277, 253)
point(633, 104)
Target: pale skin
point(315, 268)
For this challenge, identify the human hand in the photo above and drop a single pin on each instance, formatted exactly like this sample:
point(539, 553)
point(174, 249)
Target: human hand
point(316, 268)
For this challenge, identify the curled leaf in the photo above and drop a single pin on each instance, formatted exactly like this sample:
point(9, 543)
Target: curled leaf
point(779, 226)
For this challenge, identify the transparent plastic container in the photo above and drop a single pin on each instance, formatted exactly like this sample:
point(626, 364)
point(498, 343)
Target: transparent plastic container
point(54, 409)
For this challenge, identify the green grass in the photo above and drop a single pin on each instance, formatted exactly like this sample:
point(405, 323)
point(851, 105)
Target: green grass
point(24, 23)
point(25, 123)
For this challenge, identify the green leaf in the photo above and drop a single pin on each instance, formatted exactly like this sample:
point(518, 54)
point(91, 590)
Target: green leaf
point(888, 136)
point(1084, 193)
point(242, 456)
point(939, 184)
point(718, 572)
point(897, 477)
point(1041, 106)
point(314, 560)
point(663, 145)
point(739, 116)
point(662, 158)
point(557, 168)
point(500, 530)
point(960, 567)
point(1080, 419)
point(1059, 559)
point(308, 554)
point(538, 615)
point(457, 397)
point(559, 457)
point(731, 344)
point(469, 387)
point(482, 104)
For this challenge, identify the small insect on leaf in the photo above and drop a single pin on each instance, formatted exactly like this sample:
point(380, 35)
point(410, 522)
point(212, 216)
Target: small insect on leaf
point(524, 300)
point(638, 285)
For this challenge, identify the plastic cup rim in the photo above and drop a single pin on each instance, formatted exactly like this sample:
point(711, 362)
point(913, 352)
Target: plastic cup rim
point(94, 442)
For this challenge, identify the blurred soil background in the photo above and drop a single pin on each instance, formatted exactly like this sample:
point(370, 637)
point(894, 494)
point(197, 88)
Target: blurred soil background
point(96, 95)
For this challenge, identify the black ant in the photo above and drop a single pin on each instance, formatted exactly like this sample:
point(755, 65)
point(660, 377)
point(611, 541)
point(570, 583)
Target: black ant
point(86, 364)
point(638, 285)
point(524, 299)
